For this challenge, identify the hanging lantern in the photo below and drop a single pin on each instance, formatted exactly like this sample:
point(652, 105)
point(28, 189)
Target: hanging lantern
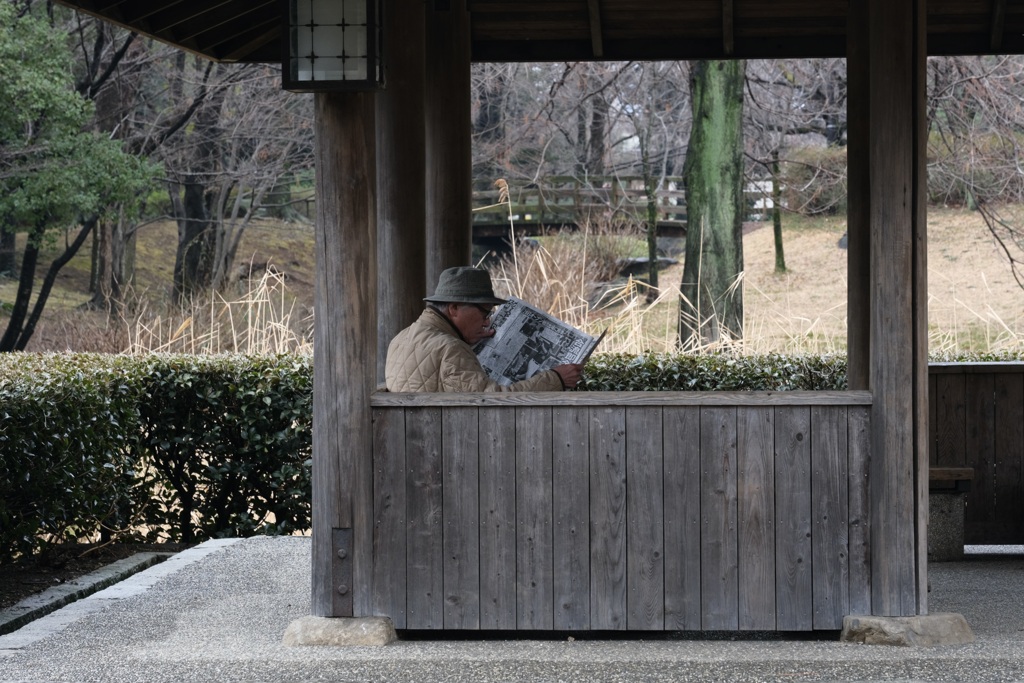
point(333, 45)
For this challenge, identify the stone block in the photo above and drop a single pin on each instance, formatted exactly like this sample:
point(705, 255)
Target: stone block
point(946, 526)
point(340, 631)
point(944, 628)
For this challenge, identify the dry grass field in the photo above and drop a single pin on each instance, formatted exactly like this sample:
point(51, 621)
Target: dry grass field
point(974, 302)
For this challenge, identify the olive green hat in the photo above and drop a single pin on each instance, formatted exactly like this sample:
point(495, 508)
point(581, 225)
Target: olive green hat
point(464, 285)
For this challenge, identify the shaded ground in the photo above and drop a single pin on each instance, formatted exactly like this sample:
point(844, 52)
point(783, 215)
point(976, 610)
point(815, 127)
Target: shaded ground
point(65, 563)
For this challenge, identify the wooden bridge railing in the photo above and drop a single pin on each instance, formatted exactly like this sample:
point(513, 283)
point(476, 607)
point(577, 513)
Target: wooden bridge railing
point(565, 201)
point(607, 511)
point(977, 421)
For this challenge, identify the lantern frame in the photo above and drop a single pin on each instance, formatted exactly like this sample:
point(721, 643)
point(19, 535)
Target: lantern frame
point(346, 33)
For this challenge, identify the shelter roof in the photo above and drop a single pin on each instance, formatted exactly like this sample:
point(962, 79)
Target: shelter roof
point(571, 30)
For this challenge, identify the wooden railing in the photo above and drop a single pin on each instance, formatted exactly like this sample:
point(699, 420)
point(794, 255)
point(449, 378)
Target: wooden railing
point(977, 421)
point(608, 511)
point(567, 202)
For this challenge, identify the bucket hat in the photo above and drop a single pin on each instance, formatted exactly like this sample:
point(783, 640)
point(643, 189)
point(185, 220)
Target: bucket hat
point(464, 285)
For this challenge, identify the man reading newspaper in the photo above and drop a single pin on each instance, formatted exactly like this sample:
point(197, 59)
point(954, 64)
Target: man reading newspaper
point(527, 340)
point(435, 353)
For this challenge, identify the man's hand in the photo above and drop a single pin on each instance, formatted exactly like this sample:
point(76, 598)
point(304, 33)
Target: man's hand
point(570, 374)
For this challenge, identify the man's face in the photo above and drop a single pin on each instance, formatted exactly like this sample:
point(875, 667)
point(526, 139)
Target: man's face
point(472, 320)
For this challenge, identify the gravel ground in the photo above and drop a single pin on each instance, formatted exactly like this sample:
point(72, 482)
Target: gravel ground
point(217, 613)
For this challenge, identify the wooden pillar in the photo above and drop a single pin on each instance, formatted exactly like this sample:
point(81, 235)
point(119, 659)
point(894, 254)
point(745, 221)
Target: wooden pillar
point(896, 286)
point(401, 190)
point(344, 355)
point(858, 201)
point(449, 155)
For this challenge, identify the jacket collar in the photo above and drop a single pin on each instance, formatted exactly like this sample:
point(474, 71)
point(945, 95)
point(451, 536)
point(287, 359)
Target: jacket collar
point(441, 321)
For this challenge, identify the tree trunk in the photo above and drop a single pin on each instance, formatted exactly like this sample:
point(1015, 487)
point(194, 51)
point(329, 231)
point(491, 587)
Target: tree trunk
point(651, 195)
point(26, 280)
point(780, 254)
point(598, 140)
point(49, 279)
point(193, 260)
point(197, 229)
point(711, 298)
point(8, 265)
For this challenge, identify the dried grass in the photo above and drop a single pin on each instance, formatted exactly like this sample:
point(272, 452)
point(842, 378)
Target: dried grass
point(975, 304)
point(262, 320)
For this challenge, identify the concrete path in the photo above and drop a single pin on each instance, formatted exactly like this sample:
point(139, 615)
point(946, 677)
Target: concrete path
point(218, 612)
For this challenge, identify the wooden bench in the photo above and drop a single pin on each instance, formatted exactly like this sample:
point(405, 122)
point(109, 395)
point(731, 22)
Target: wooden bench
point(950, 479)
point(946, 511)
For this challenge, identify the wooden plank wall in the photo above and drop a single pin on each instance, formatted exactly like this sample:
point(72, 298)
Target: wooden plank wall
point(621, 516)
point(977, 420)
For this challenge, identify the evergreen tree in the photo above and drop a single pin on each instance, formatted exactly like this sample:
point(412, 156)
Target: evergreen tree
point(56, 177)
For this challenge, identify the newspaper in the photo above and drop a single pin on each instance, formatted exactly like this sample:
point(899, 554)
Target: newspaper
point(527, 341)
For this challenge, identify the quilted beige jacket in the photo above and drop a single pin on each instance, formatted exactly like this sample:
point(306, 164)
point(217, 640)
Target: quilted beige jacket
point(430, 355)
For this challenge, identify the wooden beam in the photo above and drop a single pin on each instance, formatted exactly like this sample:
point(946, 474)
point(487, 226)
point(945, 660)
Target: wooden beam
point(401, 174)
point(728, 28)
point(344, 352)
point(919, 301)
point(858, 204)
point(596, 31)
point(448, 145)
point(998, 21)
point(898, 308)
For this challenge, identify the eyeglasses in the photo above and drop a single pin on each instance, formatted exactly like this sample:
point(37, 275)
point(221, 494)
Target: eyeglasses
point(487, 311)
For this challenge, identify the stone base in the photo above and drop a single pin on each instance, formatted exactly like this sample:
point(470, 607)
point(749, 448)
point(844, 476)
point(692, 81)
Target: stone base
point(944, 628)
point(946, 527)
point(340, 631)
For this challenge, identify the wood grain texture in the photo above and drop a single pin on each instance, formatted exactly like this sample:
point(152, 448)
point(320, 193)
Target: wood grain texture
point(425, 555)
point(897, 80)
point(858, 189)
point(389, 515)
point(645, 513)
point(448, 151)
point(534, 549)
point(384, 399)
point(497, 518)
point(460, 479)
point(401, 173)
point(756, 495)
point(718, 507)
point(976, 417)
point(793, 585)
point(979, 443)
point(950, 438)
point(830, 509)
point(859, 432)
point(607, 518)
point(571, 485)
point(345, 349)
point(682, 518)
point(1008, 488)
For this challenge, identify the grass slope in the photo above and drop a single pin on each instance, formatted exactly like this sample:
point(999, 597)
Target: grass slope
point(975, 304)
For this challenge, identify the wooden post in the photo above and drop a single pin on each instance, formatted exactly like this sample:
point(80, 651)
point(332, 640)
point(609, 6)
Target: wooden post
point(401, 184)
point(858, 201)
point(449, 153)
point(344, 356)
point(894, 67)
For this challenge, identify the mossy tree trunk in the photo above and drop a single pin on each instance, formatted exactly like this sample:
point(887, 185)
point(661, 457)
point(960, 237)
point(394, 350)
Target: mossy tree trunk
point(711, 298)
point(780, 253)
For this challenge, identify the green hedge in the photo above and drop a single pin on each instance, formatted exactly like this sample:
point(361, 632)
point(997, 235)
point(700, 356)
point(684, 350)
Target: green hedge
point(229, 445)
point(156, 448)
point(184, 448)
point(66, 451)
point(674, 372)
